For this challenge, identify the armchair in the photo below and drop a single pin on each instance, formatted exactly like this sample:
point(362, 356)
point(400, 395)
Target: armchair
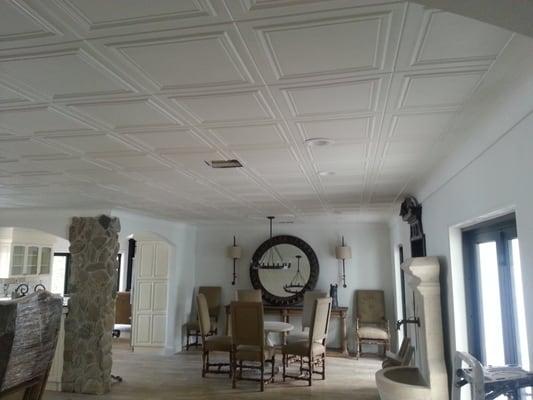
point(371, 326)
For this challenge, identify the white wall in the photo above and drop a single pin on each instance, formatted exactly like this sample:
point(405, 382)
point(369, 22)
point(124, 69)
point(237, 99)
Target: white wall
point(488, 175)
point(370, 267)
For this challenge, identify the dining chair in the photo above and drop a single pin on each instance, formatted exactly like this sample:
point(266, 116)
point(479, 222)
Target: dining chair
point(213, 295)
point(250, 295)
point(307, 315)
point(248, 341)
point(210, 342)
point(371, 326)
point(314, 348)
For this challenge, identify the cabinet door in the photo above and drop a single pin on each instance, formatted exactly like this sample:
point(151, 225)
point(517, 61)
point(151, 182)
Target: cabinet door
point(32, 260)
point(46, 260)
point(17, 260)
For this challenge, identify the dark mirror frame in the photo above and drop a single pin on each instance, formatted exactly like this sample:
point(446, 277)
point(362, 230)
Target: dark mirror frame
point(314, 269)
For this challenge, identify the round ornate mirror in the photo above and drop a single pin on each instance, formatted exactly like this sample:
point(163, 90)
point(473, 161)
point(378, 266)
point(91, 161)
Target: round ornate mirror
point(284, 267)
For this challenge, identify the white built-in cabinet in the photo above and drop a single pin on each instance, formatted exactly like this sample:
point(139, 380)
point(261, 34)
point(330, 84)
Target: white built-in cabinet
point(150, 294)
point(29, 259)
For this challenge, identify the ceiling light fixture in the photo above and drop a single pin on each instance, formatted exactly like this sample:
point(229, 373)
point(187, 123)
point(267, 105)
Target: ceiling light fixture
point(272, 259)
point(318, 142)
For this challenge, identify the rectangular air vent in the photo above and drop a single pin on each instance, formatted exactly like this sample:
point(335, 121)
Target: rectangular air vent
point(224, 164)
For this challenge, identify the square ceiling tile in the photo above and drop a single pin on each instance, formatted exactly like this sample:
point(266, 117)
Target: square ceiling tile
point(127, 114)
point(39, 120)
point(224, 107)
point(72, 73)
point(133, 162)
point(331, 99)
point(420, 126)
point(422, 91)
point(326, 46)
point(270, 161)
point(338, 129)
point(175, 139)
point(337, 157)
point(94, 143)
point(102, 13)
point(28, 148)
point(17, 24)
point(203, 59)
point(453, 38)
point(250, 135)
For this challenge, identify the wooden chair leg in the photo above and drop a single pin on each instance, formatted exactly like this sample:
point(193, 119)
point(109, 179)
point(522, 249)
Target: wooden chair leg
point(273, 369)
point(284, 362)
point(233, 372)
point(263, 375)
point(323, 367)
point(203, 363)
point(187, 344)
point(310, 370)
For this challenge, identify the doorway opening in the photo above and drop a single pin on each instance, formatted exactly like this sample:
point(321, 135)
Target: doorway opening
point(494, 293)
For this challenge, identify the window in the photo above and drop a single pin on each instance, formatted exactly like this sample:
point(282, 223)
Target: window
point(494, 293)
point(46, 259)
point(17, 261)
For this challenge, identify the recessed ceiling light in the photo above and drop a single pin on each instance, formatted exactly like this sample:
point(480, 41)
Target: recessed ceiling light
point(319, 141)
point(326, 173)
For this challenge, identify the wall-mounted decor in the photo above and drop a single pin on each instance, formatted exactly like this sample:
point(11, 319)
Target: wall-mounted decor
point(273, 258)
point(411, 212)
point(234, 252)
point(284, 286)
point(343, 252)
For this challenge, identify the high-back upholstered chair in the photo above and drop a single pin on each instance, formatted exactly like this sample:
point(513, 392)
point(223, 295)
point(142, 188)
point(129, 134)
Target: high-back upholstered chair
point(29, 329)
point(213, 295)
point(210, 342)
point(371, 326)
point(248, 338)
point(314, 348)
point(307, 315)
point(250, 295)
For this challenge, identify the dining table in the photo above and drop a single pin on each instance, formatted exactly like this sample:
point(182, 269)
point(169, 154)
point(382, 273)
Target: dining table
point(273, 327)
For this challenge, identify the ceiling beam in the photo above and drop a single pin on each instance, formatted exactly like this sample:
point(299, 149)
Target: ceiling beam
point(514, 15)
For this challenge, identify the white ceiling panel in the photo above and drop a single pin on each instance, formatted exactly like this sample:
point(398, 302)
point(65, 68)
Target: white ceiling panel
point(68, 73)
point(346, 129)
point(127, 114)
point(250, 135)
point(330, 99)
point(39, 120)
point(452, 38)
point(424, 91)
point(174, 139)
point(187, 61)
point(226, 107)
point(121, 102)
point(94, 143)
point(28, 148)
point(419, 126)
point(104, 13)
point(20, 22)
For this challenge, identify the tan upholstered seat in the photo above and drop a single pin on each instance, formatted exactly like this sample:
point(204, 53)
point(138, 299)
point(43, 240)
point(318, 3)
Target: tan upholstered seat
point(372, 332)
point(253, 353)
point(213, 296)
point(250, 295)
point(314, 348)
point(307, 315)
point(210, 342)
point(371, 327)
point(248, 338)
point(218, 343)
point(302, 348)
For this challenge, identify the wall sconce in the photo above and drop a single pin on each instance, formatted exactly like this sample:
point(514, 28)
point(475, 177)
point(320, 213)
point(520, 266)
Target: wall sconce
point(234, 252)
point(343, 253)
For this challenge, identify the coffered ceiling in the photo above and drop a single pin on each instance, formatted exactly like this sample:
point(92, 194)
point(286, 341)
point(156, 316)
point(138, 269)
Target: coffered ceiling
point(118, 103)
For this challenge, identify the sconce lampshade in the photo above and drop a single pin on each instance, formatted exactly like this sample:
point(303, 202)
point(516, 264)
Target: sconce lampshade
point(343, 252)
point(234, 252)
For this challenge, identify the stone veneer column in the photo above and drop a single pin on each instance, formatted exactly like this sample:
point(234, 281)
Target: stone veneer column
point(89, 323)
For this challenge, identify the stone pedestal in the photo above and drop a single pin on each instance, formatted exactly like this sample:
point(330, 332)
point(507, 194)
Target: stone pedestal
point(87, 358)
